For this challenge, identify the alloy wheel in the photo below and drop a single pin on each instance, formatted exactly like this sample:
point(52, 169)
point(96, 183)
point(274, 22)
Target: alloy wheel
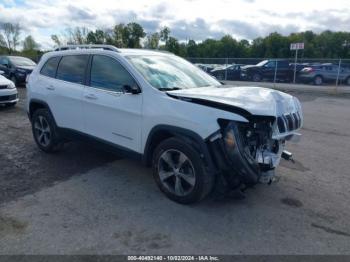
point(176, 172)
point(42, 131)
point(256, 78)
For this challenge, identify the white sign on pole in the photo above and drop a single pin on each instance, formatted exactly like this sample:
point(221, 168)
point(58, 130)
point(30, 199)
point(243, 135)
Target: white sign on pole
point(296, 46)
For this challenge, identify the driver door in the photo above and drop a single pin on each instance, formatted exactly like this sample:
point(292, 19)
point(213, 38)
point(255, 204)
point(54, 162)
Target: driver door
point(110, 112)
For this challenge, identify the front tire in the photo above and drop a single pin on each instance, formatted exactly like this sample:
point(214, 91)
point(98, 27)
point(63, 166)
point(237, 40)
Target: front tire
point(318, 80)
point(180, 172)
point(257, 77)
point(45, 131)
point(220, 76)
point(348, 81)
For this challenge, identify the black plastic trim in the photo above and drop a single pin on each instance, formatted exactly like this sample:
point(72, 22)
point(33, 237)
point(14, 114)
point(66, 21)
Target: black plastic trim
point(237, 161)
point(197, 141)
point(100, 143)
point(38, 101)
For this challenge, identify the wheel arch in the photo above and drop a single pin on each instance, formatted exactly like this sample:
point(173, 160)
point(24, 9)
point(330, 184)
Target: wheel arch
point(36, 104)
point(161, 132)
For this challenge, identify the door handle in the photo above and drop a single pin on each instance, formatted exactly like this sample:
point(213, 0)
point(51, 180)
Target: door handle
point(50, 87)
point(91, 96)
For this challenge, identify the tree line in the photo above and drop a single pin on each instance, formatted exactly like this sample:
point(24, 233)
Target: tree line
point(326, 44)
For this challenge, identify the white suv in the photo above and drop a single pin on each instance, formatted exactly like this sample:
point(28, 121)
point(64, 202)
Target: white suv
point(158, 107)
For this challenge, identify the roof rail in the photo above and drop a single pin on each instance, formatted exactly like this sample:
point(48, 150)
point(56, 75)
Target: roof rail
point(72, 47)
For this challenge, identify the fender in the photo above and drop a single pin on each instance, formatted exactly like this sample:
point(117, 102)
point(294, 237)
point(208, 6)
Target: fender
point(190, 136)
point(44, 105)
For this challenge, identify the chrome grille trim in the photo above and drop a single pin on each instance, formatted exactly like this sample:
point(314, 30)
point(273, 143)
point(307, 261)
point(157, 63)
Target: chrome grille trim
point(289, 122)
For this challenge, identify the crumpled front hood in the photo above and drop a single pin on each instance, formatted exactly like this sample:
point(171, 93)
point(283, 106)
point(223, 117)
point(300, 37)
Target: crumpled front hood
point(255, 100)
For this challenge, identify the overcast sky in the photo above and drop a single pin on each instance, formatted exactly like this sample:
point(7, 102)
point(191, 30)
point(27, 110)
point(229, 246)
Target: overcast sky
point(187, 19)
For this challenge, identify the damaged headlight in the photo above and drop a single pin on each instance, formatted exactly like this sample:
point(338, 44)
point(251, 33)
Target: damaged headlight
point(229, 139)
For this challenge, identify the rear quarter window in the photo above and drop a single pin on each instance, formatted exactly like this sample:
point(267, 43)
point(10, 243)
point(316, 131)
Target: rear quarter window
point(72, 68)
point(50, 67)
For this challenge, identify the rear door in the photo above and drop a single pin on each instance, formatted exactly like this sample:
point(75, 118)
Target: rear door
point(66, 90)
point(110, 113)
point(269, 70)
point(284, 71)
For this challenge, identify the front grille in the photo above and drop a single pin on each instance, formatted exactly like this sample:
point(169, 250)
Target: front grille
point(3, 86)
point(288, 122)
point(8, 98)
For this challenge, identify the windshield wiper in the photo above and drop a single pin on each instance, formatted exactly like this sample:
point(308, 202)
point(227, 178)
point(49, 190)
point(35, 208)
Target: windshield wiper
point(169, 88)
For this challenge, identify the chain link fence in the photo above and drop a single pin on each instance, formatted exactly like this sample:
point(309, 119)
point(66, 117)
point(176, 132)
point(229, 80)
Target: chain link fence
point(305, 71)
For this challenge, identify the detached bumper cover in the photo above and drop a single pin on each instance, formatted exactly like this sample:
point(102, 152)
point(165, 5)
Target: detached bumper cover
point(238, 161)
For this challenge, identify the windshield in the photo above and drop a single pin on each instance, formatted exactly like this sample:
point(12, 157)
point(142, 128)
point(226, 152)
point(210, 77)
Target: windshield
point(171, 72)
point(21, 61)
point(262, 63)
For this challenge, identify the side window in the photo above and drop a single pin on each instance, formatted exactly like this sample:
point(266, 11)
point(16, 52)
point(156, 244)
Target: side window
point(271, 64)
point(50, 67)
point(72, 68)
point(282, 64)
point(3, 61)
point(107, 73)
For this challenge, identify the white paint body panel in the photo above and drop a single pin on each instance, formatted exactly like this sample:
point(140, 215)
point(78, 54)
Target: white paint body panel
point(126, 119)
point(7, 91)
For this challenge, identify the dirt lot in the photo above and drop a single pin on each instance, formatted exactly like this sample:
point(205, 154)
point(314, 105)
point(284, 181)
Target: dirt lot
point(86, 201)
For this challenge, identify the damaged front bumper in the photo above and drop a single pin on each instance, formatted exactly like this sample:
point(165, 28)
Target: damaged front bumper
point(233, 156)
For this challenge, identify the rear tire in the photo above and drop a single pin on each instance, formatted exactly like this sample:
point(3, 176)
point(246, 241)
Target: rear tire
point(180, 172)
point(348, 81)
point(318, 80)
point(45, 131)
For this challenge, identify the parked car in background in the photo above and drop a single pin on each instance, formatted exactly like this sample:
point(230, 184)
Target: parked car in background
point(206, 67)
point(230, 72)
point(266, 70)
point(16, 68)
point(8, 91)
point(319, 74)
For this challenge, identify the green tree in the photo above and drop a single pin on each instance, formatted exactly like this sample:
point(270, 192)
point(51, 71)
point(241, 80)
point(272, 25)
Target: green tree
point(133, 33)
point(97, 37)
point(29, 44)
point(164, 34)
point(172, 45)
point(152, 41)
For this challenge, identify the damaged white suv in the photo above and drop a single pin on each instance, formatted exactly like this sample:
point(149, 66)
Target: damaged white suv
point(163, 110)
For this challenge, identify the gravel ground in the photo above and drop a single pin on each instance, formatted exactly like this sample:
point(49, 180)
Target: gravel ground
point(24, 169)
point(87, 201)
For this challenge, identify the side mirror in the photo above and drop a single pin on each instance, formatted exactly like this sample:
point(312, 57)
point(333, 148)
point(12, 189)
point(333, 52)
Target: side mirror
point(134, 89)
point(2, 72)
